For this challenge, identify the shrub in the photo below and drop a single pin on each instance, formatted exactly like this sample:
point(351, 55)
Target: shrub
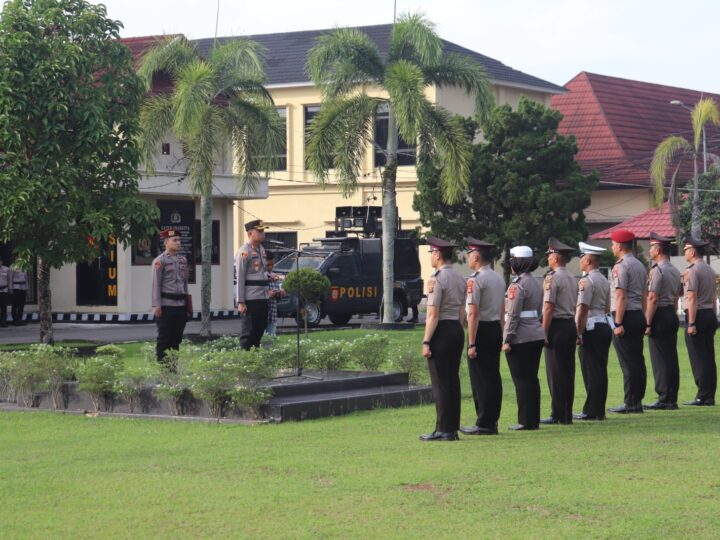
point(230, 343)
point(249, 396)
point(174, 384)
point(369, 352)
point(109, 351)
point(328, 355)
point(99, 376)
point(132, 384)
point(26, 378)
point(58, 365)
point(407, 358)
point(281, 355)
point(5, 381)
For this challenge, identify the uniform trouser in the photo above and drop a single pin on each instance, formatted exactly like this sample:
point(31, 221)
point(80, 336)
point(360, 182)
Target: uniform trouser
point(18, 305)
point(446, 346)
point(701, 349)
point(253, 324)
point(662, 343)
point(629, 349)
point(171, 326)
point(593, 364)
point(3, 307)
point(484, 372)
point(524, 362)
point(560, 368)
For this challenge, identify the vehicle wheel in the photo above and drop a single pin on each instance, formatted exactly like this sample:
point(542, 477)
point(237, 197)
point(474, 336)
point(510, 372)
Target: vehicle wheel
point(340, 319)
point(314, 315)
point(399, 310)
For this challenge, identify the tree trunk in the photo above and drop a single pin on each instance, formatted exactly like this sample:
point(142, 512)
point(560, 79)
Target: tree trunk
point(206, 208)
point(45, 303)
point(696, 230)
point(389, 219)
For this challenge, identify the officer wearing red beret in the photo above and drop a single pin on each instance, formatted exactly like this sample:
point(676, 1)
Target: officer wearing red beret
point(169, 293)
point(628, 297)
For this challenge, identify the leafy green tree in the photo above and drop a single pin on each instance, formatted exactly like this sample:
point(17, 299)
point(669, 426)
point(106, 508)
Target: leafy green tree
point(525, 184)
point(709, 186)
point(345, 64)
point(216, 104)
point(69, 102)
point(676, 149)
point(309, 285)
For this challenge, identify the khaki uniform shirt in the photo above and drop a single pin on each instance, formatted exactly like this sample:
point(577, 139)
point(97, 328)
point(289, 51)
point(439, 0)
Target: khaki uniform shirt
point(664, 281)
point(524, 295)
point(593, 291)
point(169, 276)
point(446, 290)
point(561, 290)
point(702, 279)
point(18, 280)
point(486, 289)
point(630, 275)
point(4, 279)
point(252, 280)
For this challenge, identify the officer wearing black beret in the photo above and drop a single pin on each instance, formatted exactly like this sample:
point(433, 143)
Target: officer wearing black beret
point(251, 290)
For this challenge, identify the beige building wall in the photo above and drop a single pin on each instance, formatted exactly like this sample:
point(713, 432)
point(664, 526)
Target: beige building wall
point(617, 205)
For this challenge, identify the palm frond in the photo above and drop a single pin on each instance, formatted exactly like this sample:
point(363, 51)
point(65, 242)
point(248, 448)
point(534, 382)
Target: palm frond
point(156, 120)
point(169, 55)
point(405, 84)
point(239, 56)
point(466, 73)
point(230, 85)
point(415, 39)
point(664, 154)
point(342, 60)
point(705, 111)
point(193, 96)
point(443, 138)
point(203, 148)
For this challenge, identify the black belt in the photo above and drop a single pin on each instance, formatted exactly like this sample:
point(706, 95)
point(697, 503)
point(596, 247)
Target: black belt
point(3, 289)
point(258, 282)
point(172, 296)
point(19, 282)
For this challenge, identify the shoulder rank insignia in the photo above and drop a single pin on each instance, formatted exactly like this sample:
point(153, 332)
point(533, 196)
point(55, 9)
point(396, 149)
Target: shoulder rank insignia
point(512, 292)
point(547, 283)
point(470, 285)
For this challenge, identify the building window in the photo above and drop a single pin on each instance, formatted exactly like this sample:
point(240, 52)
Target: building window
point(165, 149)
point(282, 155)
point(311, 111)
point(406, 152)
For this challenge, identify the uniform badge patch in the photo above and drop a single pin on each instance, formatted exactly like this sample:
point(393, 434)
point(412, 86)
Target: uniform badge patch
point(581, 285)
point(548, 283)
point(615, 273)
point(430, 285)
point(157, 264)
point(512, 292)
point(256, 266)
point(244, 254)
point(470, 285)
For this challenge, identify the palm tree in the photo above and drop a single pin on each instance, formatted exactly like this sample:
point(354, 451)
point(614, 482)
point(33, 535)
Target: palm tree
point(676, 148)
point(215, 102)
point(343, 64)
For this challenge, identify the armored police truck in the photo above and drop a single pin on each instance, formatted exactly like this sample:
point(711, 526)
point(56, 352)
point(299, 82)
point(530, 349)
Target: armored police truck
point(354, 267)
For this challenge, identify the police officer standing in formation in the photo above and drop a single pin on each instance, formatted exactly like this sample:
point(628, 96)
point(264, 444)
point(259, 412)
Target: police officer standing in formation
point(523, 336)
point(558, 323)
point(628, 295)
point(593, 331)
point(484, 306)
point(4, 293)
point(169, 294)
point(18, 294)
point(251, 289)
point(444, 339)
point(699, 300)
point(662, 323)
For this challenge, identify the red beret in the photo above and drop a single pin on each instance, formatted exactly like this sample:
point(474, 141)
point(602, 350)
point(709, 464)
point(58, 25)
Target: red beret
point(622, 236)
point(169, 233)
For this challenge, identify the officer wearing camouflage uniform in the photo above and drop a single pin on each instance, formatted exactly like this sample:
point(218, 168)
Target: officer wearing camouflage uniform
point(251, 289)
point(662, 322)
point(558, 322)
point(169, 294)
point(484, 306)
point(594, 333)
point(699, 300)
point(628, 295)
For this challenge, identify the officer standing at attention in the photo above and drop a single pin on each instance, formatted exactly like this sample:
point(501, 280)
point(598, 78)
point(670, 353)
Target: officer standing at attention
point(559, 299)
point(523, 336)
point(699, 300)
point(169, 293)
point(444, 339)
point(18, 292)
point(251, 289)
point(4, 293)
point(484, 306)
point(628, 296)
point(662, 322)
point(593, 331)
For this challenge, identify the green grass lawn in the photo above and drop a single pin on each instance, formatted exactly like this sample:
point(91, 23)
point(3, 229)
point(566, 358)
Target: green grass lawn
point(365, 475)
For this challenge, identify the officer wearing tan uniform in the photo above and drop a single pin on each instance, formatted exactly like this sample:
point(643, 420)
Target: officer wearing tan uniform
point(662, 322)
point(251, 289)
point(484, 306)
point(699, 300)
point(628, 294)
point(4, 293)
point(594, 333)
point(523, 336)
point(558, 323)
point(444, 339)
point(169, 294)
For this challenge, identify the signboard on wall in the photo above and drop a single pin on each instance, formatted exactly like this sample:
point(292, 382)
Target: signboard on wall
point(180, 215)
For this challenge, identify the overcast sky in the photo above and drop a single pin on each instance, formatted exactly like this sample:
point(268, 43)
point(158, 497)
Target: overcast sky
point(660, 41)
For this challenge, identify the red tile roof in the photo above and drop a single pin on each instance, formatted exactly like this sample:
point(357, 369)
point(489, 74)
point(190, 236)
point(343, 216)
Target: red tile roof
point(618, 123)
point(654, 220)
